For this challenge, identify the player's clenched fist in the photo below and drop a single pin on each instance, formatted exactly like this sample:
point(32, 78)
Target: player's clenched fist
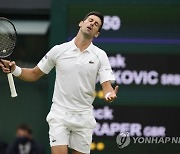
point(7, 66)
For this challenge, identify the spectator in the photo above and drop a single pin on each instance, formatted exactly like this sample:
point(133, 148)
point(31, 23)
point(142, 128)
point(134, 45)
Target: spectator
point(24, 142)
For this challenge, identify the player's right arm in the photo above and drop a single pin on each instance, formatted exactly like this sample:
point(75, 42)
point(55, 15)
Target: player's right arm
point(27, 74)
point(31, 75)
point(44, 66)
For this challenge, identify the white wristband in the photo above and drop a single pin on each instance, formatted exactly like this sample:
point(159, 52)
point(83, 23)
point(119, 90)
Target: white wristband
point(107, 95)
point(17, 71)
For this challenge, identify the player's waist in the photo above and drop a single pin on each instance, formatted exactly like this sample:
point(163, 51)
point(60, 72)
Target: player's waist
point(58, 108)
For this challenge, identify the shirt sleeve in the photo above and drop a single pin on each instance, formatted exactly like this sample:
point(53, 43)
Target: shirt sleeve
point(105, 72)
point(47, 63)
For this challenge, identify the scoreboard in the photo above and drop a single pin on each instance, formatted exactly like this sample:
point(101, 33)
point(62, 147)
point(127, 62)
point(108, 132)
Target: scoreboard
point(143, 45)
point(142, 41)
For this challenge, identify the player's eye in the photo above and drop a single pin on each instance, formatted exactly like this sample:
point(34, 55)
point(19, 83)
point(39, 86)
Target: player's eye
point(90, 20)
point(96, 24)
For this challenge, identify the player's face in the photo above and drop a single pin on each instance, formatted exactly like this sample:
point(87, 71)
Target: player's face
point(90, 26)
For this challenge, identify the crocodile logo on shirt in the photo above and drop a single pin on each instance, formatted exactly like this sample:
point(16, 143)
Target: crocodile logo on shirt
point(91, 62)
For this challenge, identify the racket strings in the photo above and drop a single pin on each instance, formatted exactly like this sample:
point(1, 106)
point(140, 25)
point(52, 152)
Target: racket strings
point(7, 38)
point(6, 42)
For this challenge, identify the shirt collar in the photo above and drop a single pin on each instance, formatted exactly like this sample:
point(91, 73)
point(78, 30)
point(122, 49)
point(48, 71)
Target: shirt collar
point(74, 47)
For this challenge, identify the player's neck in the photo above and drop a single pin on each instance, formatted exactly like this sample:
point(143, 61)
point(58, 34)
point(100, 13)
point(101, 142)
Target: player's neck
point(82, 43)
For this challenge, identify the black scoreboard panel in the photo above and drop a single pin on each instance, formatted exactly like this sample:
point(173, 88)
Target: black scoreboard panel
point(142, 42)
point(138, 23)
point(141, 123)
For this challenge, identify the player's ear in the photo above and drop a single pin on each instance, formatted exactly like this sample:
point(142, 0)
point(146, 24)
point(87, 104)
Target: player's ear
point(97, 34)
point(80, 23)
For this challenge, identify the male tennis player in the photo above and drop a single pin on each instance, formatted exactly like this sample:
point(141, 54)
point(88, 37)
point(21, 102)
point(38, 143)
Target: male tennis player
point(78, 63)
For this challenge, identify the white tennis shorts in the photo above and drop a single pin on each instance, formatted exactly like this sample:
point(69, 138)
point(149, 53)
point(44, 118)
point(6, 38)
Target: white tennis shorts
point(72, 129)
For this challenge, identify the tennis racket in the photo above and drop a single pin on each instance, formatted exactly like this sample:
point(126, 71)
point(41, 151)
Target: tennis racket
point(8, 37)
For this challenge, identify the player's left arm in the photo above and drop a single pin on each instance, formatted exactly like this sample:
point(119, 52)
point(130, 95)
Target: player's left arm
point(109, 93)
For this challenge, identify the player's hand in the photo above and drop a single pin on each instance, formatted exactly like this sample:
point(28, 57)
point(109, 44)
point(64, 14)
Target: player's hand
point(7, 66)
point(111, 96)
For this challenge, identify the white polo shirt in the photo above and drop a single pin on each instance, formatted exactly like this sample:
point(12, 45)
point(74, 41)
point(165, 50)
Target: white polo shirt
point(76, 75)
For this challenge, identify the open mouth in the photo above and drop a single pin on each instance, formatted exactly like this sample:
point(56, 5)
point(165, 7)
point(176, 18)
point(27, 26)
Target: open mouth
point(89, 28)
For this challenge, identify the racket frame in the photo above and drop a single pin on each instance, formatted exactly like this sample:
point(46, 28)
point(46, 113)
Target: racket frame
point(9, 75)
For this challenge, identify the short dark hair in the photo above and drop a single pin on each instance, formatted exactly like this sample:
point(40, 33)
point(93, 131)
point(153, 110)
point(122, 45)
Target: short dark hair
point(98, 14)
point(25, 127)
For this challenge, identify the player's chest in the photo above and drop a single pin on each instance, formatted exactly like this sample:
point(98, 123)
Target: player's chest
point(86, 62)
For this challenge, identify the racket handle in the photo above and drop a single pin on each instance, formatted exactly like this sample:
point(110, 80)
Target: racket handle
point(11, 85)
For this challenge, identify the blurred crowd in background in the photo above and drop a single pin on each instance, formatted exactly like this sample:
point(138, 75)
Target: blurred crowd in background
point(23, 143)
